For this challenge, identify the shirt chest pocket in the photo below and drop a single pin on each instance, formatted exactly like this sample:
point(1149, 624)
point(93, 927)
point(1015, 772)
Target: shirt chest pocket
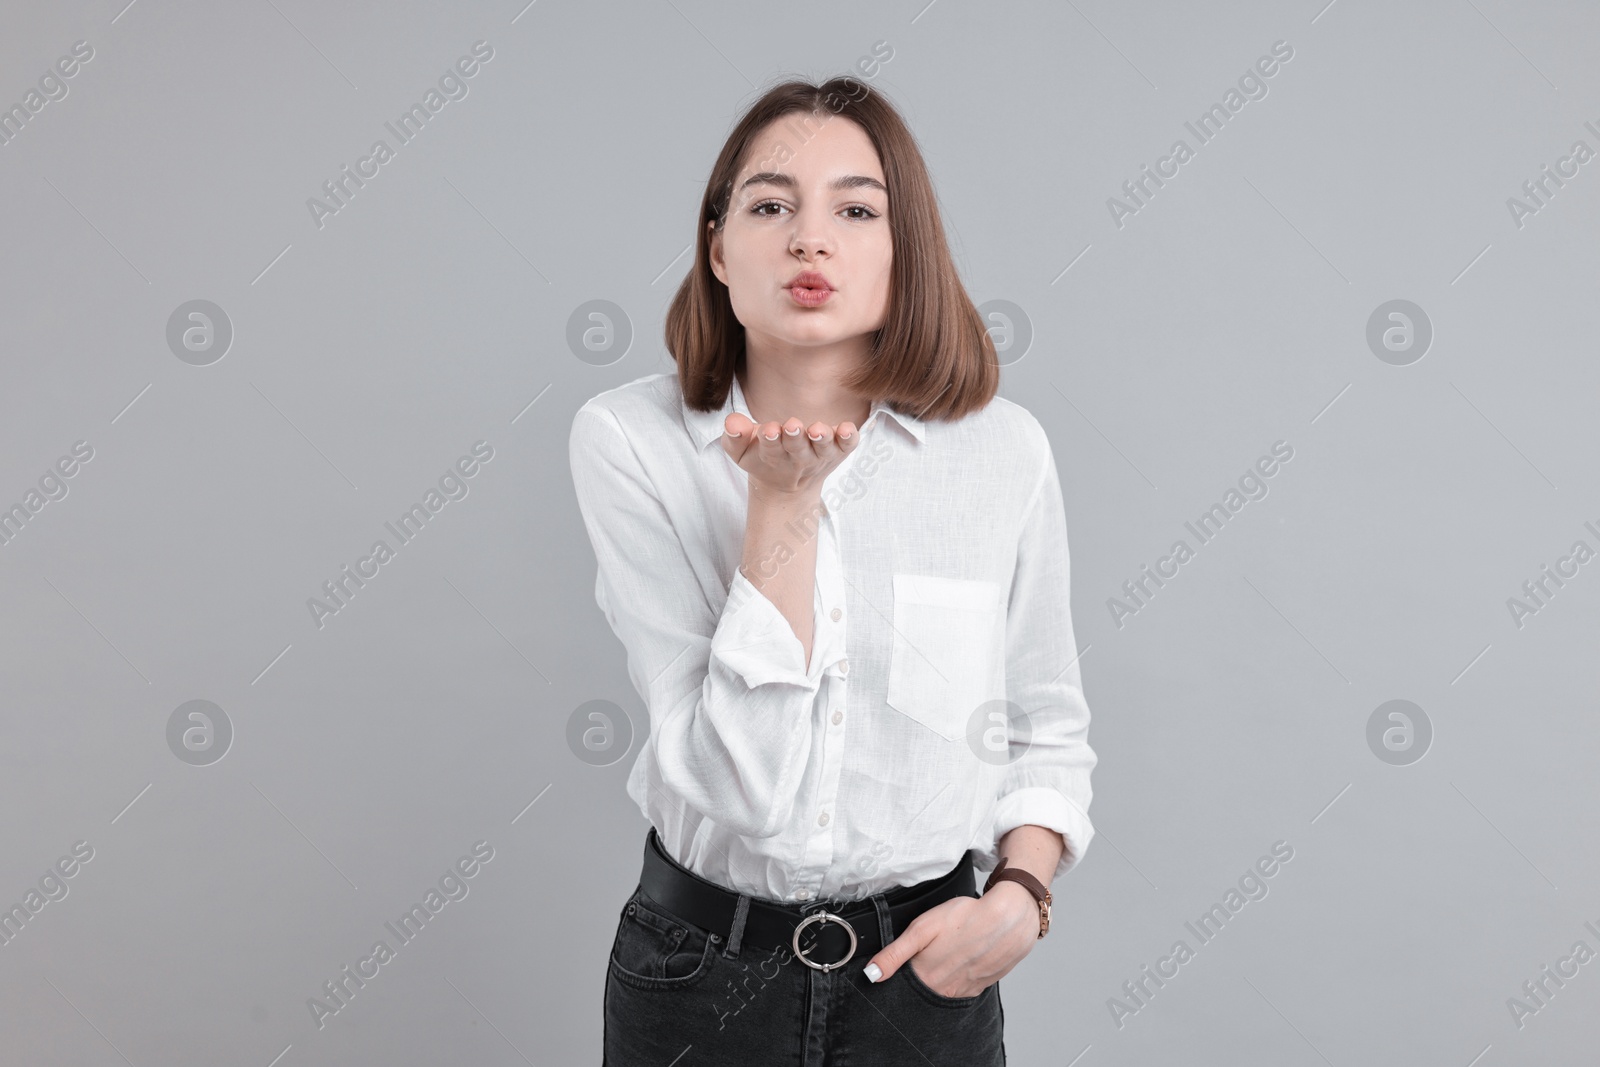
point(944, 662)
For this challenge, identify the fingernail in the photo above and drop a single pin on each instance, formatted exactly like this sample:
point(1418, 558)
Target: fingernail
point(814, 436)
point(731, 433)
point(872, 972)
point(792, 432)
point(847, 435)
point(774, 437)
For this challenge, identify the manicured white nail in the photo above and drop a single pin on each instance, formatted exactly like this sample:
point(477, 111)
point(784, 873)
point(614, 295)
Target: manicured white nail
point(731, 433)
point(814, 436)
point(872, 972)
point(792, 432)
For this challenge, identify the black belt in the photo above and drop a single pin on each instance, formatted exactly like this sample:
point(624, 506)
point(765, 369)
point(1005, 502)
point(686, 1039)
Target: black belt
point(817, 931)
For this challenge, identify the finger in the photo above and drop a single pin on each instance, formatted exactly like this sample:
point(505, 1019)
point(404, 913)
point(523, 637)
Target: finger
point(822, 440)
point(794, 441)
point(737, 434)
point(848, 437)
point(768, 433)
point(892, 956)
point(769, 443)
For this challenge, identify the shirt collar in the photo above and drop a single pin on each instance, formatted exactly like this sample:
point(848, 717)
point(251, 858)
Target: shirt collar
point(706, 426)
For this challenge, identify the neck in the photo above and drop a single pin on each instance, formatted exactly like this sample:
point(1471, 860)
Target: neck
point(809, 390)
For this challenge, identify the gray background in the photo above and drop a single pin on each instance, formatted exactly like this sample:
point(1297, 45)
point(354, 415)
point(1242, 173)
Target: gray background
point(432, 312)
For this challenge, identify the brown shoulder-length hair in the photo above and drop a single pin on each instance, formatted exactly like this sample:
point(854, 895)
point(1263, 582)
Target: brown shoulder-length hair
point(932, 358)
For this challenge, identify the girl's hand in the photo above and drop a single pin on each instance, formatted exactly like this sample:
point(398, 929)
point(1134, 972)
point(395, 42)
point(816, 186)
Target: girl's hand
point(965, 945)
point(788, 459)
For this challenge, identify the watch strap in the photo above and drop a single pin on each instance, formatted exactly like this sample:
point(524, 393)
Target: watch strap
point(1040, 891)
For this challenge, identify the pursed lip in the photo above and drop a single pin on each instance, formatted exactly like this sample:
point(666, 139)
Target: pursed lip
point(809, 279)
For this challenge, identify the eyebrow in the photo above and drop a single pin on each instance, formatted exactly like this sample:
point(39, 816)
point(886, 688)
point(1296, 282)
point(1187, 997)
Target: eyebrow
point(849, 181)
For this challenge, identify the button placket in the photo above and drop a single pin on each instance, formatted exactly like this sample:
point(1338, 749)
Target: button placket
point(821, 848)
point(844, 669)
point(822, 840)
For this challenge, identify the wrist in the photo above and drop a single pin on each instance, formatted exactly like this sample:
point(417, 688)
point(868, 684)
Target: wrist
point(1036, 889)
point(1013, 896)
point(784, 499)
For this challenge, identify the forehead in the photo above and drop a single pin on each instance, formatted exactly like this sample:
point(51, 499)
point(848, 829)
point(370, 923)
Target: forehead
point(818, 145)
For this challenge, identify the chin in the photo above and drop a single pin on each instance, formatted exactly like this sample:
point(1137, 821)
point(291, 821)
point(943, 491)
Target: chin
point(815, 338)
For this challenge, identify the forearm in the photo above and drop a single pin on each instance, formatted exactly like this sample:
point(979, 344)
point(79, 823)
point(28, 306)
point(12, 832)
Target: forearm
point(1036, 849)
point(780, 555)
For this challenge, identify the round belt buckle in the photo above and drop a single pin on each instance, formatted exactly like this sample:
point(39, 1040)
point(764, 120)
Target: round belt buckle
point(819, 917)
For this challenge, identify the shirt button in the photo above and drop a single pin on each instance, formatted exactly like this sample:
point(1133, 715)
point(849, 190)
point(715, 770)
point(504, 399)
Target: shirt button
point(844, 666)
point(838, 717)
point(822, 820)
point(835, 614)
point(802, 894)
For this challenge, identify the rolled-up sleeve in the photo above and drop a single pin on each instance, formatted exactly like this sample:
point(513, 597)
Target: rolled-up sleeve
point(728, 691)
point(755, 641)
point(1048, 785)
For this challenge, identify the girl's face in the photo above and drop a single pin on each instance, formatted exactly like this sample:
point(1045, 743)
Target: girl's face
point(819, 205)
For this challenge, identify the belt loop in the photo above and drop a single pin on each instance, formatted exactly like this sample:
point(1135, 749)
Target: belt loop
point(736, 935)
point(885, 926)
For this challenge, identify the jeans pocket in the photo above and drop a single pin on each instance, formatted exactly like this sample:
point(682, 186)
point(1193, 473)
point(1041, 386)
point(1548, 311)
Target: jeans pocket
point(940, 999)
point(655, 949)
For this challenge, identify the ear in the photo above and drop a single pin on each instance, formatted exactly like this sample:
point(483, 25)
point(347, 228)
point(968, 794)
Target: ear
point(714, 254)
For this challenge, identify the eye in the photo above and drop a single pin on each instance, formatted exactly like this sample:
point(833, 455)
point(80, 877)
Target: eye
point(759, 210)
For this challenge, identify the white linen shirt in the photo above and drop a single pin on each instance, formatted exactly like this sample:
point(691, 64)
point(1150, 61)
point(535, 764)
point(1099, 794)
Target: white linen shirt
point(941, 593)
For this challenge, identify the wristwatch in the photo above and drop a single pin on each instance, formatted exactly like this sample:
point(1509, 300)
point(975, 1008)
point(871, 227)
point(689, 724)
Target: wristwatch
point(1040, 891)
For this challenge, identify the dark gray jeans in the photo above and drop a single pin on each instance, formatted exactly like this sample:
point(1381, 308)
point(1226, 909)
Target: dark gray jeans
point(676, 995)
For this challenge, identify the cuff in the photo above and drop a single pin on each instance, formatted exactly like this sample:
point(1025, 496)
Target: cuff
point(1040, 806)
point(755, 641)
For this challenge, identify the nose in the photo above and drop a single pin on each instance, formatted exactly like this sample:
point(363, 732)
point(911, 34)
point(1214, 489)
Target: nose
point(809, 237)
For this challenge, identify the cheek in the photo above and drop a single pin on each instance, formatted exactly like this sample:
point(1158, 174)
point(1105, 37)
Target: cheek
point(739, 296)
point(877, 287)
point(741, 277)
point(879, 253)
point(751, 257)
